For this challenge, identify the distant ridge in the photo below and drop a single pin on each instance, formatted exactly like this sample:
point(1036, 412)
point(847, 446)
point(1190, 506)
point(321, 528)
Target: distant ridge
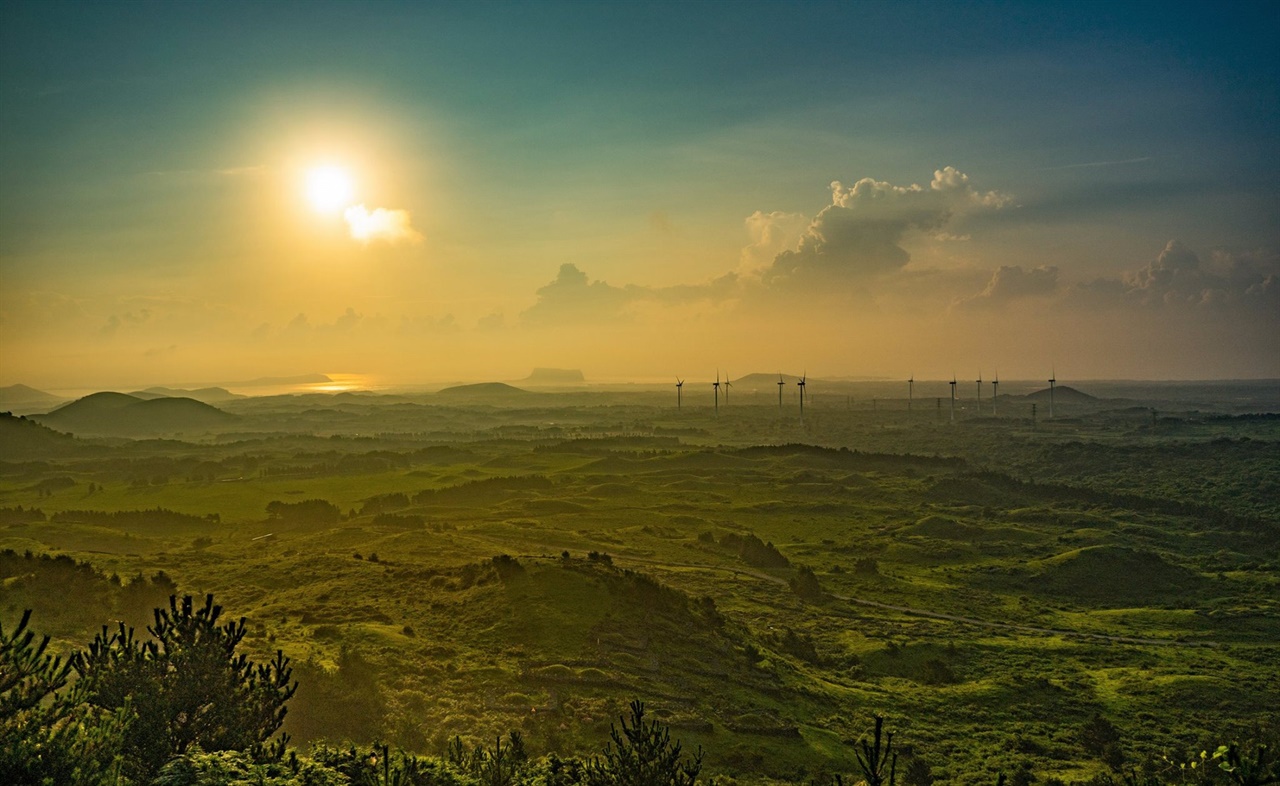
point(1062, 394)
point(483, 390)
point(300, 379)
point(760, 378)
point(118, 414)
point(22, 400)
point(211, 395)
point(555, 376)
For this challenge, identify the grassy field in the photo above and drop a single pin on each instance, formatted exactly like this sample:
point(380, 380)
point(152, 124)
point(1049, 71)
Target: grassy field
point(989, 585)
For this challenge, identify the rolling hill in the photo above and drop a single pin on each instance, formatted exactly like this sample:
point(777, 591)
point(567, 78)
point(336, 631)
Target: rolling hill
point(22, 439)
point(118, 414)
point(1062, 394)
point(210, 395)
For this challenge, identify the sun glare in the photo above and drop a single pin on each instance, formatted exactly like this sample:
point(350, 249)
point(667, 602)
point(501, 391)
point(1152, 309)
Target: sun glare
point(329, 188)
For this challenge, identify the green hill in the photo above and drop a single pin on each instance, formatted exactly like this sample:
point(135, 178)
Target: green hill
point(118, 414)
point(1113, 576)
point(207, 395)
point(22, 439)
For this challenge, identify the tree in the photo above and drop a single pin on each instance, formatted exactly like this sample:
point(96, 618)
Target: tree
point(187, 687)
point(877, 759)
point(642, 754)
point(805, 584)
point(46, 734)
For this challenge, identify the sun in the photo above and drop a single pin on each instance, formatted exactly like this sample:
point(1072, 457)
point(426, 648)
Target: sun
point(329, 188)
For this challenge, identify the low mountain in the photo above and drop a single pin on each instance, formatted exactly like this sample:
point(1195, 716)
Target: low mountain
point(487, 390)
point(23, 400)
point(118, 414)
point(555, 376)
point(1062, 394)
point(210, 395)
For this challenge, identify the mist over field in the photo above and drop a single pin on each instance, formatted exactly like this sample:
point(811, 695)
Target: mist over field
point(658, 394)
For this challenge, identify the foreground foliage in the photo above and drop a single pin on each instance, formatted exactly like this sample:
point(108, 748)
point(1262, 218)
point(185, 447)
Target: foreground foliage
point(184, 709)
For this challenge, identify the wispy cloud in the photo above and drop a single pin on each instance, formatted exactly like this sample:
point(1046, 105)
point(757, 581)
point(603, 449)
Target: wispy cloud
point(1095, 164)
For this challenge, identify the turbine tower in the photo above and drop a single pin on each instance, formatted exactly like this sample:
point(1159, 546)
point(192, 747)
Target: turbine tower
point(727, 385)
point(803, 377)
point(979, 392)
point(1053, 380)
point(780, 384)
point(716, 386)
point(911, 389)
point(995, 392)
point(953, 398)
point(679, 385)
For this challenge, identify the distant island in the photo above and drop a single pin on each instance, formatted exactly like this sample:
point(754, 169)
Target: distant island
point(555, 376)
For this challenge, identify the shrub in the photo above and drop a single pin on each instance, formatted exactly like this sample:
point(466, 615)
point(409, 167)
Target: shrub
point(186, 687)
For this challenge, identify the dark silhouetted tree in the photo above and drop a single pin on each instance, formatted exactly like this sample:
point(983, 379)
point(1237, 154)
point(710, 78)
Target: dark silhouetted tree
point(642, 754)
point(47, 735)
point(186, 687)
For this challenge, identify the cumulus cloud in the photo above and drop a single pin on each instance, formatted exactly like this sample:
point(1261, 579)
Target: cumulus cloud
point(380, 225)
point(1012, 282)
point(572, 297)
point(860, 233)
point(1179, 277)
point(769, 234)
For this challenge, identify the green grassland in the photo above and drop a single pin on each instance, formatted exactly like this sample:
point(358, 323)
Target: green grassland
point(988, 585)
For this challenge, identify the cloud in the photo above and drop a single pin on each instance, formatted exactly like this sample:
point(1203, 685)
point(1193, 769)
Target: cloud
point(770, 234)
point(1178, 277)
point(380, 225)
point(348, 320)
point(116, 321)
point(860, 233)
point(573, 298)
point(494, 321)
point(427, 325)
point(1012, 282)
point(155, 352)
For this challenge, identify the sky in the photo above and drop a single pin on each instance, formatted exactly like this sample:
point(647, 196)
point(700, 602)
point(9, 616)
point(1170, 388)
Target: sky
point(422, 192)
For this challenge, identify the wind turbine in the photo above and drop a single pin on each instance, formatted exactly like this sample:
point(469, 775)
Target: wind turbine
point(979, 392)
point(995, 392)
point(780, 384)
point(953, 398)
point(679, 385)
point(911, 389)
point(1053, 380)
point(727, 385)
point(803, 377)
point(716, 386)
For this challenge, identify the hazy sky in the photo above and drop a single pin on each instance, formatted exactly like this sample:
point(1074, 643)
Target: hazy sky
point(437, 191)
